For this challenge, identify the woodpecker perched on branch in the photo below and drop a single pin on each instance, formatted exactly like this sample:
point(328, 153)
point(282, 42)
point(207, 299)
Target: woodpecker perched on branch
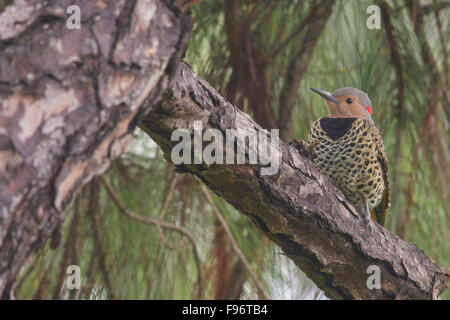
point(348, 149)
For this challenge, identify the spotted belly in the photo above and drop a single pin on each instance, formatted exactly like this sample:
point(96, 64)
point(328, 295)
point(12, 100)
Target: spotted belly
point(349, 160)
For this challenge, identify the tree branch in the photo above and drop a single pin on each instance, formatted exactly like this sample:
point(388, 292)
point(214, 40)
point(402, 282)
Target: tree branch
point(315, 22)
point(159, 223)
point(234, 244)
point(399, 110)
point(435, 6)
point(98, 250)
point(297, 208)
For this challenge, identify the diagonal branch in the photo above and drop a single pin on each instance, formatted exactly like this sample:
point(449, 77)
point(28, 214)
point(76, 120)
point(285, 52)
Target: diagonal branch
point(297, 208)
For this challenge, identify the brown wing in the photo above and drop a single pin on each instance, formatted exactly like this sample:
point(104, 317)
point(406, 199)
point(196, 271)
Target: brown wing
point(380, 211)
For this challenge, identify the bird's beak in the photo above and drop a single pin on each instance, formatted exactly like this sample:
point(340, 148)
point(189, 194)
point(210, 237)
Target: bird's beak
point(325, 94)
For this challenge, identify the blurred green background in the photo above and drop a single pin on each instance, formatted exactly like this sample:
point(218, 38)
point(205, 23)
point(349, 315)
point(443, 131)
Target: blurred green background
point(264, 56)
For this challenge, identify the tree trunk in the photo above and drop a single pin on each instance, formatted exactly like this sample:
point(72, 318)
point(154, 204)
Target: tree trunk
point(69, 103)
point(297, 208)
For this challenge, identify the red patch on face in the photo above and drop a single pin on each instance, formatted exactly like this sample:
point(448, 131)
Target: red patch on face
point(369, 109)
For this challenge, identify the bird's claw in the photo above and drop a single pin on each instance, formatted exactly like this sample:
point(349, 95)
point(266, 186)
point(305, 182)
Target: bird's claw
point(302, 148)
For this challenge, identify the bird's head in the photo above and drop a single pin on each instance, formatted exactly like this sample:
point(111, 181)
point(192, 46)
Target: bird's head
point(347, 102)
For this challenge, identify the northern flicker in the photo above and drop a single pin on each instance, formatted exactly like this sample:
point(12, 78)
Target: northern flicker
point(349, 150)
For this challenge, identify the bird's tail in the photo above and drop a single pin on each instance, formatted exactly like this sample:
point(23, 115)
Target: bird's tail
point(379, 212)
point(377, 216)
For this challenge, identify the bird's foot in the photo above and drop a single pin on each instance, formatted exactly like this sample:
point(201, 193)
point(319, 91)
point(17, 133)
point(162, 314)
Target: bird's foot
point(302, 148)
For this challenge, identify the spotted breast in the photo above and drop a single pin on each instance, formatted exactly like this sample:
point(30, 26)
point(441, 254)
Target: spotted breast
point(350, 152)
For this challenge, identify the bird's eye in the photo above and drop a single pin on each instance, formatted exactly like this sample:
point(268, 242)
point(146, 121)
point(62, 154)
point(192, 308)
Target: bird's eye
point(349, 100)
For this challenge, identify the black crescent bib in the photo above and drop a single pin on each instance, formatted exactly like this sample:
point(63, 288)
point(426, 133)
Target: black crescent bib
point(335, 128)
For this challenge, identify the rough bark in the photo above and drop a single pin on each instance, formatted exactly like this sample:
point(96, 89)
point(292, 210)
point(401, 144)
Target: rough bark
point(297, 208)
point(69, 102)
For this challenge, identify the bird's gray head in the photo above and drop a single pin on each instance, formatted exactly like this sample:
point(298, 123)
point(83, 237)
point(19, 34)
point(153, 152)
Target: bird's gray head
point(347, 102)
